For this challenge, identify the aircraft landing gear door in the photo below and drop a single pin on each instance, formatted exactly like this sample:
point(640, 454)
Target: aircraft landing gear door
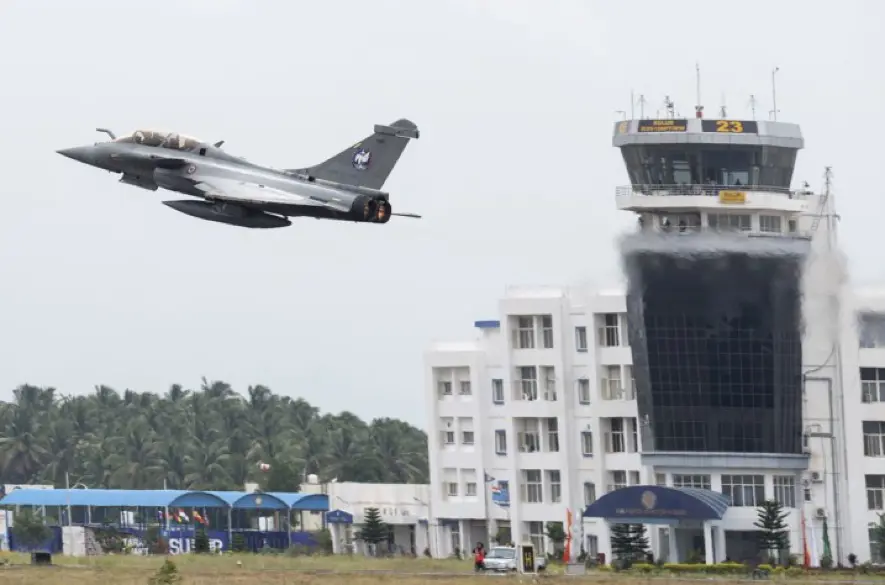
point(527, 556)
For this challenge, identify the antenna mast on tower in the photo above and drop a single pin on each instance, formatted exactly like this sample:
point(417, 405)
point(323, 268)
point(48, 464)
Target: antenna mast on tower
point(698, 108)
point(753, 105)
point(642, 102)
point(670, 107)
point(722, 111)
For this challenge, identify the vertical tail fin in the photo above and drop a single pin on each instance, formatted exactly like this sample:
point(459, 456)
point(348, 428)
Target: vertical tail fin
point(370, 161)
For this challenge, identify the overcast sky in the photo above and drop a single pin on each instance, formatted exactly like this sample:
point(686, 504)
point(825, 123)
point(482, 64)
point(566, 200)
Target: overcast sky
point(514, 172)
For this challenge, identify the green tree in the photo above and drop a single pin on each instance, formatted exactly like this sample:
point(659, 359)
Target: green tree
point(774, 534)
point(628, 542)
point(877, 538)
point(374, 530)
point(209, 438)
point(556, 534)
point(30, 529)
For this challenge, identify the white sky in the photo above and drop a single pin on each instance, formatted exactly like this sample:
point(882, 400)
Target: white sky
point(514, 172)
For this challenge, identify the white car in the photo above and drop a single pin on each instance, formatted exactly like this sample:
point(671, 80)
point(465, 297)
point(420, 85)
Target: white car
point(504, 558)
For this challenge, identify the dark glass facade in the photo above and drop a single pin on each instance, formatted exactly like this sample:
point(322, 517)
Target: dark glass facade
point(717, 354)
point(696, 164)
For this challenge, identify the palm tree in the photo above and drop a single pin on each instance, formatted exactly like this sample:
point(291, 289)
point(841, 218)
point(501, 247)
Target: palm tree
point(212, 438)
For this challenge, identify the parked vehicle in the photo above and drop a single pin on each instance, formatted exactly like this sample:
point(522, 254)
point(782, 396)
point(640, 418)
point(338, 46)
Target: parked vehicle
point(504, 558)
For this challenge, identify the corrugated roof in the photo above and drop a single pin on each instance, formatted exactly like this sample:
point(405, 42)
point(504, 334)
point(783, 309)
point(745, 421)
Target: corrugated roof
point(100, 498)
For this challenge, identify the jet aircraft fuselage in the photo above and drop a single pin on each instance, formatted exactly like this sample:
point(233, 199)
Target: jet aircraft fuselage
point(235, 191)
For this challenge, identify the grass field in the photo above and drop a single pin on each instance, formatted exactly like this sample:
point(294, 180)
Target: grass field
point(319, 570)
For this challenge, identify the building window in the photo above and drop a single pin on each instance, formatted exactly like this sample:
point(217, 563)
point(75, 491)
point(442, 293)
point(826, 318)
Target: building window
point(501, 442)
point(661, 479)
point(729, 221)
point(471, 489)
point(528, 435)
point(872, 384)
point(525, 333)
point(452, 489)
point(610, 332)
point(456, 536)
point(785, 490)
point(770, 224)
point(531, 488)
point(581, 338)
point(547, 331)
point(527, 385)
point(872, 330)
point(874, 438)
point(611, 384)
point(465, 388)
point(466, 437)
point(549, 375)
point(589, 493)
point(448, 437)
point(746, 491)
point(553, 435)
point(701, 482)
point(554, 480)
point(875, 492)
point(583, 385)
point(587, 443)
point(536, 535)
point(445, 388)
point(614, 439)
point(498, 391)
point(617, 479)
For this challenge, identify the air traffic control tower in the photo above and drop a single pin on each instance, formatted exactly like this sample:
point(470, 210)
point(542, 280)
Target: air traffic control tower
point(714, 272)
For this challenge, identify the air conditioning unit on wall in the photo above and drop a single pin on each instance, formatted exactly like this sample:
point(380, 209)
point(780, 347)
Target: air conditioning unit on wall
point(820, 513)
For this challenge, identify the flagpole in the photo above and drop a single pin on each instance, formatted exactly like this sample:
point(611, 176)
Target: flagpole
point(806, 555)
point(486, 489)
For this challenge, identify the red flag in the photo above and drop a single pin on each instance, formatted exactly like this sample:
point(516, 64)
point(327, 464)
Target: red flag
point(806, 557)
point(566, 554)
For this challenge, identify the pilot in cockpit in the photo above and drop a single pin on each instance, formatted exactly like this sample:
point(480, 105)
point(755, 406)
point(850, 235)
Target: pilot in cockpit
point(171, 141)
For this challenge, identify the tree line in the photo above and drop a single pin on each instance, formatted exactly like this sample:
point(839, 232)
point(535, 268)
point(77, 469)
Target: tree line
point(207, 439)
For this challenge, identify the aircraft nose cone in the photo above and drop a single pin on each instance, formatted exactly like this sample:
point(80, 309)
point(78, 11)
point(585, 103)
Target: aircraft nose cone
point(81, 154)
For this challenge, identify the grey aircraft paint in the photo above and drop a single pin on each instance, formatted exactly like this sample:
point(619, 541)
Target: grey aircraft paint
point(347, 187)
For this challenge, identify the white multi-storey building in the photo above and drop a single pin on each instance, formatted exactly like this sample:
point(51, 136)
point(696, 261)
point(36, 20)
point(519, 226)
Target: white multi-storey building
point(736, 360)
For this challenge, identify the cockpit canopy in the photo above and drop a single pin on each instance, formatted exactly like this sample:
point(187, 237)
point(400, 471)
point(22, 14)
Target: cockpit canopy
point(162, 139)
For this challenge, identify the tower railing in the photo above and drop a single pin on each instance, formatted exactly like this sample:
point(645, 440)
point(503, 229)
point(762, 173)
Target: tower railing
point(702, 190)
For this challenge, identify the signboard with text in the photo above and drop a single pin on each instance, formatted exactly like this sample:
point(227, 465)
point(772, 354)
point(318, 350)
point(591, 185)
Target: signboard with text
point(730, 126)
point(662, 125)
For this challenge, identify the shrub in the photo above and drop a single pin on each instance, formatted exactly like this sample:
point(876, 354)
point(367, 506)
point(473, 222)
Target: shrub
point(238, 542)
point(201, 541)
point(166, 575)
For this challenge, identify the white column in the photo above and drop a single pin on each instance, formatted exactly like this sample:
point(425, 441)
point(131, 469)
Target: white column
point(721, 551)
point(336, 537)
point(708, 542)
point(673, 545)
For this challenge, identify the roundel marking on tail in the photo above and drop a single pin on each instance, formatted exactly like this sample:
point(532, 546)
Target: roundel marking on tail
point(361, 159)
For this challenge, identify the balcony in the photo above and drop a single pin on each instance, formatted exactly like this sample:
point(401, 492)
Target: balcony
point(531, 390)
point(755, 197)
point(614, 389)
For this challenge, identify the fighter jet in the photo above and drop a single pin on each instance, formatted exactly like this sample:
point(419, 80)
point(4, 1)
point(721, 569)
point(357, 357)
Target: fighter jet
point(232, 190)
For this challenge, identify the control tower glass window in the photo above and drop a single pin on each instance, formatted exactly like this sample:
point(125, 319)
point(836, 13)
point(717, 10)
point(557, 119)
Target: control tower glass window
point(709, 164)
point(718, 358)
